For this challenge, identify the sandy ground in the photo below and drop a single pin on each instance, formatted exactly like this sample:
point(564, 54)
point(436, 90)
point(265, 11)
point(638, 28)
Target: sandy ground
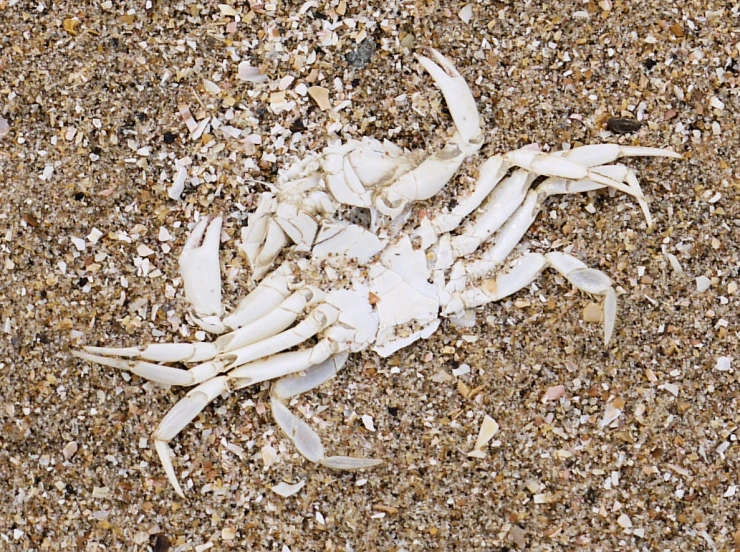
point(637, 451)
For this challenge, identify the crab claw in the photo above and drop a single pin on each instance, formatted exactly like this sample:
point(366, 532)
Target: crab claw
point(459, 99)
point(201, 274)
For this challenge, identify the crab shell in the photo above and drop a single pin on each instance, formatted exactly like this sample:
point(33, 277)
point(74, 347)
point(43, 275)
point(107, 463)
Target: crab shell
point(342, 267)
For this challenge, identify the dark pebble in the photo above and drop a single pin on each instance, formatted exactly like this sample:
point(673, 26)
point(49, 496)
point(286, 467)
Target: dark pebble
point(619, 125)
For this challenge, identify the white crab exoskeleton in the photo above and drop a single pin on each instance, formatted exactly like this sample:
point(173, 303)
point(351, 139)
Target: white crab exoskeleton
point(328, 286)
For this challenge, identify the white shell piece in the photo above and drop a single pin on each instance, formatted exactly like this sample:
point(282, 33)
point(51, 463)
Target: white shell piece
point(427, 233)
point(178, 184)
point(444, 254)
point(349, 463)
point(346, 241)
point(299, 432)
point(356, 313)
point(286, 490)
point(299, 226)
point(376, 163)
point(401, 283)
point(488, 429)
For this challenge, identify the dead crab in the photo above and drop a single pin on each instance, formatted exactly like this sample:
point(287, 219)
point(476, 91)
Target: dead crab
point(356, 272)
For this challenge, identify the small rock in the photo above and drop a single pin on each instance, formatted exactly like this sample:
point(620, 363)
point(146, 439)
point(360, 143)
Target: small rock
point(593, 313)
point(621, 125)
point(361, 57)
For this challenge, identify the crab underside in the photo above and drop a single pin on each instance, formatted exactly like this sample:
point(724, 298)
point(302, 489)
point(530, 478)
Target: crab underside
point(341, 266)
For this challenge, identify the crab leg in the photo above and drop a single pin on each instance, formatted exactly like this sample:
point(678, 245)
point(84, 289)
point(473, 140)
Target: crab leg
point(262, 239)
point(435, 171)
point(201, 274)
point(305, 439)
point(272, 323)
point(180, 416)
point(166, 375)
point(281, 364)
point(601, 154)
point(525, 270)
point(161, 352)
point(268, 295)
point(320, 318)
point(578, 170)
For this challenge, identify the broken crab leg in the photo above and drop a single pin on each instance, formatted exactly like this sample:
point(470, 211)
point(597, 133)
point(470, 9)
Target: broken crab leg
point(545, 164)
point(282, 364)
point(305, 439)
point(588, 280)
point(525, 270)
point(308, 442)
point(318, 319)
point(180, 416)
point(166, 375)
point(290, 386)
point(272, 323)
point(601, 154)
point(268, 295)
point(162, 352)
